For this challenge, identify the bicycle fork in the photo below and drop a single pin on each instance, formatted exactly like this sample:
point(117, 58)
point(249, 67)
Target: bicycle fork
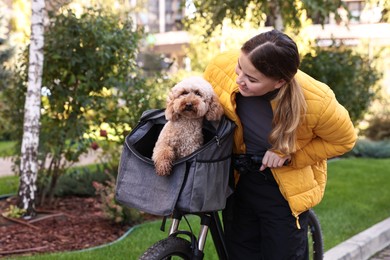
point(209, 221)
point(197, 244)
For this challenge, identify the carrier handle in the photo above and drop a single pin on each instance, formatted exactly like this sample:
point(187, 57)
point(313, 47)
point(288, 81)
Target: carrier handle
point(151, 114)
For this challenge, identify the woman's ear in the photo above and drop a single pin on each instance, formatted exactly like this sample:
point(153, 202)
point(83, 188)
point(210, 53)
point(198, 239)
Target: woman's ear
point(280, 83)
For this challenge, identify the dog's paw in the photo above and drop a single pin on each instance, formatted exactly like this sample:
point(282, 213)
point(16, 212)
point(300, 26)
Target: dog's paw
point(163, 157)
point(163, 168)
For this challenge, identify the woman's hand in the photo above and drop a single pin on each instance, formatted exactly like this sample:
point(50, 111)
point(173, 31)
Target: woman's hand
point(273, 160)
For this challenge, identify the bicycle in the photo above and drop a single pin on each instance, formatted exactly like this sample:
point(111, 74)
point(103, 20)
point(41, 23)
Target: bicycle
point(192, 247)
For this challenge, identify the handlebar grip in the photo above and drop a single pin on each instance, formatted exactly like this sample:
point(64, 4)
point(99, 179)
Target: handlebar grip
point(259, 159)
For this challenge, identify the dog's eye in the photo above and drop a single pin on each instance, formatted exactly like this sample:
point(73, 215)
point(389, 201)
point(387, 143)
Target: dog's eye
point(198, 93)
point(184, 93)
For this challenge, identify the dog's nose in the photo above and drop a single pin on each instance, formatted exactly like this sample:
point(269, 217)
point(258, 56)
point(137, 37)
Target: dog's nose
point(188, 106)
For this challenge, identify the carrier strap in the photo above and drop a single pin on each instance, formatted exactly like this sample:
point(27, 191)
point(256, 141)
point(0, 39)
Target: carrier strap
point(163, 223)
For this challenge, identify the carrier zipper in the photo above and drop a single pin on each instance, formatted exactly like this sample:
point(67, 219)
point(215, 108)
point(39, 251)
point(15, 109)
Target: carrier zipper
point(216, 140)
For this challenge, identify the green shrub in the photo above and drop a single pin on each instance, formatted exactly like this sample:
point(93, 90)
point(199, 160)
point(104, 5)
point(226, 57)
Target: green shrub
point(378, 119)
point(78, 181)
point(6, 53)
point(14, 212)
point(114, 211)
point(351, 76)
point(371, 149)
point(378, 128)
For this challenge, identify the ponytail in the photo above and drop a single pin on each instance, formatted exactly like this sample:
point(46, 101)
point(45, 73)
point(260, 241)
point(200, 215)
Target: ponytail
point(289, 111)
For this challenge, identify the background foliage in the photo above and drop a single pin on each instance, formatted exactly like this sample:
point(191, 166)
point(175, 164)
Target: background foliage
point(262, 12)
point(351, 76)
point(92, 88)
point(6, 52)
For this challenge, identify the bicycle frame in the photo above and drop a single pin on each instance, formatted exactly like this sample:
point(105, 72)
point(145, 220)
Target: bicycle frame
point(209, 221)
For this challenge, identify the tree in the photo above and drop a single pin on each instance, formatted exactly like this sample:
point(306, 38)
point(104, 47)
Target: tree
point(30, 141)
point(276, 13)
point(93, 89)
point(383, 6)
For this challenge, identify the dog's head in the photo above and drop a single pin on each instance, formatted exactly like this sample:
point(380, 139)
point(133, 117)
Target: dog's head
point(191, 98)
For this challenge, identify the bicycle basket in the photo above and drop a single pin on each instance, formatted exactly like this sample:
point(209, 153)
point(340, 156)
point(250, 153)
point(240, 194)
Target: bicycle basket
point(198, 182)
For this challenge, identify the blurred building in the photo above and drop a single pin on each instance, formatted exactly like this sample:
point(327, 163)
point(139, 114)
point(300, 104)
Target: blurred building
point(159, 16)
point(162, 20)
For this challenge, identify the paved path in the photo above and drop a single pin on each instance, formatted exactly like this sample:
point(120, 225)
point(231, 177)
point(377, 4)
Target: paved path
point(383, 255)
point(5, 166)
point(6, 163)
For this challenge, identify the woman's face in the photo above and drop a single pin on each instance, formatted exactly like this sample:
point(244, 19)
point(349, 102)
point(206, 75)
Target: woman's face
point(252, 82)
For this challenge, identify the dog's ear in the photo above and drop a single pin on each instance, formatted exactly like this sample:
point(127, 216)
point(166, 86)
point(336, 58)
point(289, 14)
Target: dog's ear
point(215, 110)
point(170, 113)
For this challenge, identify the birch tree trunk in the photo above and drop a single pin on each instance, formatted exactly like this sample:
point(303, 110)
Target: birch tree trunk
point(276, 18)
point(29, 150)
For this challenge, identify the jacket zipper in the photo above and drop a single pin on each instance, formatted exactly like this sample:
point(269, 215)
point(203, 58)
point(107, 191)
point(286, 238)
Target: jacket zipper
point(297, 220)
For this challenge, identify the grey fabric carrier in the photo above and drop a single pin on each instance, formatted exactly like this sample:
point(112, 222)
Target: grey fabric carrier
point(198, 182)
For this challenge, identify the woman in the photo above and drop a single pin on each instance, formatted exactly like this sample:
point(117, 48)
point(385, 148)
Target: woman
point(294, 123)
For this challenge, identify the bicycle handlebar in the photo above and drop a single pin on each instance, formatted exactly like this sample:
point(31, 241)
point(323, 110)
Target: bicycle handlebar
point(249, 162)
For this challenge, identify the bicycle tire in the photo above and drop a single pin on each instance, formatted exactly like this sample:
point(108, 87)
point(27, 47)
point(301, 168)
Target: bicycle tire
point(167, 248)
point(315, 232)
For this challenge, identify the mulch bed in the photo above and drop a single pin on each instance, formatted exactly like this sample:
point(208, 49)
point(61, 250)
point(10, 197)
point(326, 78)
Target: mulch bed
point(72, 223)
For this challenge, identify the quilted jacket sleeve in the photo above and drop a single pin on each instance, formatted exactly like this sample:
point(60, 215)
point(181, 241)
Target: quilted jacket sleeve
point(333, 133)
point(220, 73)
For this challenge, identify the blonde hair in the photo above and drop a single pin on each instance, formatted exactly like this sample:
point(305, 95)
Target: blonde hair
point(289, 112)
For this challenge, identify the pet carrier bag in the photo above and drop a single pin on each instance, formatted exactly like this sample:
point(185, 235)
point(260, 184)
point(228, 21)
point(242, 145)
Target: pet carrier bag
point(198, 182)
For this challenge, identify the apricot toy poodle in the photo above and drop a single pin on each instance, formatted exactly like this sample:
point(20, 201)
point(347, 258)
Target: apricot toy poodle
point(188, 103)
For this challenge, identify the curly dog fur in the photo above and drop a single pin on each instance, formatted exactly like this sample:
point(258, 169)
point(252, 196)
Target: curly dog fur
point(188, 103)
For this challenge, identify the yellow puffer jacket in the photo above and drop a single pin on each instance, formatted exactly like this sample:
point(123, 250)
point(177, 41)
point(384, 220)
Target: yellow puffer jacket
point(326, 132)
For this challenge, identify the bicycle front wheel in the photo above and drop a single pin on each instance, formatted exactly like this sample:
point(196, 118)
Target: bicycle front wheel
point(169, 248)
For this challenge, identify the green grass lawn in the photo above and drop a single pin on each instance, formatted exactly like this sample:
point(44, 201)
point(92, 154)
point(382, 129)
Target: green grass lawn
point(7, 148)
point(356, 198)
point(8, 184)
